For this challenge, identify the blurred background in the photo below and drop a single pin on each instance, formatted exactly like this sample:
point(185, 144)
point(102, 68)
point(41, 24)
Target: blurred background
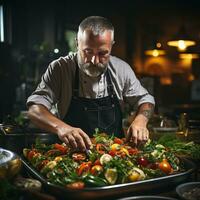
point(159, 39)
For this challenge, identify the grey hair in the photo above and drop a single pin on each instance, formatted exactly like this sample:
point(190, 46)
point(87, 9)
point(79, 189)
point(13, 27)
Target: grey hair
point(97, 25)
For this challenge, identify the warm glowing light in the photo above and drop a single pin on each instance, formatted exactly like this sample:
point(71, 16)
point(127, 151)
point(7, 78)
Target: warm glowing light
point(158, 45)
point(188, 56)
point(165, 80)
point(155, 52)
point(181, 44)
point(191, 77)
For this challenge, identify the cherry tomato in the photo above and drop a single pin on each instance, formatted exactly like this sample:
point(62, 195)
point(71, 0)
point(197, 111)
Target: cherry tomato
point(53, 152)
point(84, 167)
point(42, 164)
point(118, 140)
point(61, 148)
point(142, 161)
point(133, 151)
point(78, 156)
point(31, 154)
point(97, 162)
point(96, 169)
point(76, 185)
point(112, 153)
point(165, 166)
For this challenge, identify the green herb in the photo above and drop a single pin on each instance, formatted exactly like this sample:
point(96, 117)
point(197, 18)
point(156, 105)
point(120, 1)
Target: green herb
point(177, 146)
point(41, 146)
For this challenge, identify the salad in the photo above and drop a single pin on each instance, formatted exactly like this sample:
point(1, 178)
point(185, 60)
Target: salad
point(110, 161)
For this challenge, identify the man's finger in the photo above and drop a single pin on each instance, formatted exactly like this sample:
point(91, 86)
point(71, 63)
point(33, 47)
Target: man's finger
point(146, 135)
point(86, 139)
point(135, 137)
point(128, 134)
point(65, 140)
point(140, 135)
point(79, 141)
point(72, 141)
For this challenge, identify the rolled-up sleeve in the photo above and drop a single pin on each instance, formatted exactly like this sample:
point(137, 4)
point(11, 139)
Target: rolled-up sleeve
point(134, 93)
point(47, 91)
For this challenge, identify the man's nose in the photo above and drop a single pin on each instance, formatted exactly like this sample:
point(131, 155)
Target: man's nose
point(95, 59)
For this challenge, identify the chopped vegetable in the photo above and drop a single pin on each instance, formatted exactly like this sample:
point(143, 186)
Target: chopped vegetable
point(165, 166)
point(105, 158)
point(96, 169)
point(110, 161)
point(76, 185)
point(136, 174)
point(142, 161)
point(111, 175)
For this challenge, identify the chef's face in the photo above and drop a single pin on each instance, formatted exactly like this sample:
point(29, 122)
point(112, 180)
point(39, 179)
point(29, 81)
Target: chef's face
point(94, 52)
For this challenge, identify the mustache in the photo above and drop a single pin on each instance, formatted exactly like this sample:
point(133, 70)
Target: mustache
point(94, 70)
point(98, 65)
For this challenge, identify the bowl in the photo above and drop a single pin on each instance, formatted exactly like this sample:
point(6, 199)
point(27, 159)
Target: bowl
point(150, 197)
point(189, 191)
point(10, 164)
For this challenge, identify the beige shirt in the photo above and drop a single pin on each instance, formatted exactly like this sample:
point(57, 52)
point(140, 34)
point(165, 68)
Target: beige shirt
point(55, 89)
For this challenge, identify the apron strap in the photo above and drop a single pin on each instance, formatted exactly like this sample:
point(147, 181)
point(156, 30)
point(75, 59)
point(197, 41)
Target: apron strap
point(76, 82)
point(110, 88)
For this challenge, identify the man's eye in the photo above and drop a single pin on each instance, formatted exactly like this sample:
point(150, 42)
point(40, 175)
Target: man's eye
point(103, 54)
point(88, 52)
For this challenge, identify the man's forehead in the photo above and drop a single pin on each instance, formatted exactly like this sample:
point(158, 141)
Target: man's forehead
point(89, 34)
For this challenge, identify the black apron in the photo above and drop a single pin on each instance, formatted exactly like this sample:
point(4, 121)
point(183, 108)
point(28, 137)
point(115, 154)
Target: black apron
point(89, 114)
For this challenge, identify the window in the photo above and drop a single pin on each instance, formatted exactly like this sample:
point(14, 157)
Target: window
point(1, 24)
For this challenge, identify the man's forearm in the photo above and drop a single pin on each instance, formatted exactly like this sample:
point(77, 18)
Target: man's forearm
point(146, 109)
point(44, 119)
point(144, 113)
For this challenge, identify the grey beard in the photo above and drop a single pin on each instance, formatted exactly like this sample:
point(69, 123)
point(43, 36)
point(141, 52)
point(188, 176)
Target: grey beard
point(93, 70)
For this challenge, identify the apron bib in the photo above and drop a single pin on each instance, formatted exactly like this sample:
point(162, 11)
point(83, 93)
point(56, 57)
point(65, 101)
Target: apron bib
point(102, 113)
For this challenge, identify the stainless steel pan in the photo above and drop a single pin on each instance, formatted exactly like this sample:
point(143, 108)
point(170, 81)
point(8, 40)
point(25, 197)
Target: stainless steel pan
point(151, 186)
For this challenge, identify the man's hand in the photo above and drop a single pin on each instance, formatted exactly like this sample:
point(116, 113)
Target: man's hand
point(45, 120)
point(137, 131)
point(75, 137)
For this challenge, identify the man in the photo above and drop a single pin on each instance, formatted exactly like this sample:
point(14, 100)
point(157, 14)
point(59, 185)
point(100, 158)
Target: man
point(86, 89)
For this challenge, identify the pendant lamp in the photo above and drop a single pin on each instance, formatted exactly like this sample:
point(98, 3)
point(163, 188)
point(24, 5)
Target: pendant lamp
point(181, 40)
point(156, 50)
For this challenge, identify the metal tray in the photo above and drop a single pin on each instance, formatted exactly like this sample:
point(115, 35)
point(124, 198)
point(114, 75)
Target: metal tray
point(151, 186)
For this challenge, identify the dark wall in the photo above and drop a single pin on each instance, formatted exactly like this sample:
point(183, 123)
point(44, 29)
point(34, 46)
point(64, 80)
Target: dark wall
point(34, 28)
